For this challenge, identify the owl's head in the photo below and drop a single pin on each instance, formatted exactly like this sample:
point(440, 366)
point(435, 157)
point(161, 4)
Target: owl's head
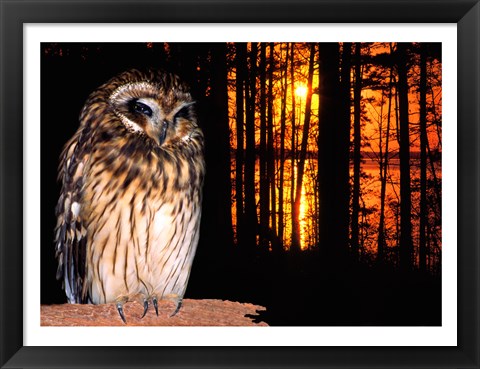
point(154, 103)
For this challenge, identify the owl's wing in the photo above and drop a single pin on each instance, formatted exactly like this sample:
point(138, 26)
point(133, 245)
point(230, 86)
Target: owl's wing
point(71, 233)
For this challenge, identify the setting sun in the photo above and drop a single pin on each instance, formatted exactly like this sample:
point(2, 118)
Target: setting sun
point(301, 91)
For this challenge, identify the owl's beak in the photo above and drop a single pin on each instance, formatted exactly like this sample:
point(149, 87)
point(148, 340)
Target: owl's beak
point(157, 131)
point(163, 132)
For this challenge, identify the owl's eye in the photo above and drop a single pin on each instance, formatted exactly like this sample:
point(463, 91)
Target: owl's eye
point(138, 107)
point(184, 112)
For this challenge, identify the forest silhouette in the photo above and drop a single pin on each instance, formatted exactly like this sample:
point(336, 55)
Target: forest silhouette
point(322, 200)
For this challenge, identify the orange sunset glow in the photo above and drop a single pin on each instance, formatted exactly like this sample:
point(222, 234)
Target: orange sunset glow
point(378, 98)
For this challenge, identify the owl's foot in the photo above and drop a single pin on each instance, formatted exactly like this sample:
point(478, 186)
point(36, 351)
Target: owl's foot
point(145, 307)
point(173, 297)
point(119, 304)
point(155, 304)
point(120, 301)
point(177, 300)
point(177, 309)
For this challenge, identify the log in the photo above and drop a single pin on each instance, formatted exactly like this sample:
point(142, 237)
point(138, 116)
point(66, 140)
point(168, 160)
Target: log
point(192, 313)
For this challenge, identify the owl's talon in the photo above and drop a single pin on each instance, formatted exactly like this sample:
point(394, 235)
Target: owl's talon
point(177, 309)
point(155, 305)
point(145, 308)
point(120, 311)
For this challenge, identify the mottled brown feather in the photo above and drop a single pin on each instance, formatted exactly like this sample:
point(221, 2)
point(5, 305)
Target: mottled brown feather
point(129, 209)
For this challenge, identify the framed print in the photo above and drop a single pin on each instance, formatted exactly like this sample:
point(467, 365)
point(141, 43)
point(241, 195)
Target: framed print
point(339, 214)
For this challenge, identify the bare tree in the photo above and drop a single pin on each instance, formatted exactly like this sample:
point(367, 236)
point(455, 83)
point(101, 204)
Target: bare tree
point(221, 135)
point(283, 119)
point(296, 233)
point(406, 243)
point(241, 68)
point(250, 204)
point(333, 149)
point(264, 183)
point(270, 150)
point(356, 151)
point(384, 160)
point(423, 159)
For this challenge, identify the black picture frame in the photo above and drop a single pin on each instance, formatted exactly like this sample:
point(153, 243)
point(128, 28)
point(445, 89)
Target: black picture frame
point(14, 13)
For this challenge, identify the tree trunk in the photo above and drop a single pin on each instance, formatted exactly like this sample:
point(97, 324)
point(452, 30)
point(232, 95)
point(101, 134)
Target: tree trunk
point(270, 152)
point(423, 159)
point(250, 204)
point(333, 150)
point(281, 216)
point(293, 150)
point(383, 177)
point(240, 64)
point(356, 153)
point(221, 136)
point(193, 313)
point(296, 232)
point(264, 190)
point(406, 243)
point(342, 154)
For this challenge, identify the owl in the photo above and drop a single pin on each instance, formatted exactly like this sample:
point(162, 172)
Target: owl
point(128, 215)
